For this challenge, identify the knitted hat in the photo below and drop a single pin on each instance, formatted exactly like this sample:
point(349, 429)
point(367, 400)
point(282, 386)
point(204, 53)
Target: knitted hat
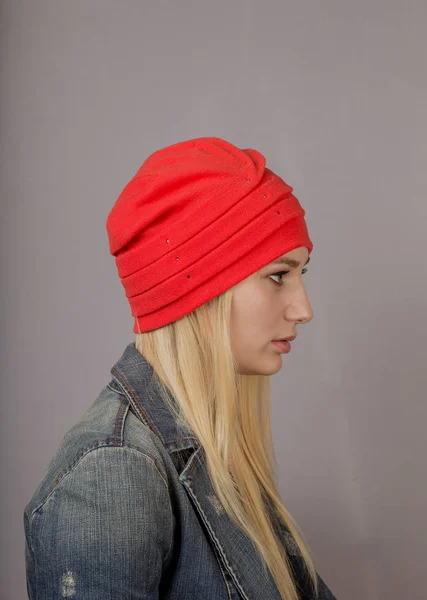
point(198, 217)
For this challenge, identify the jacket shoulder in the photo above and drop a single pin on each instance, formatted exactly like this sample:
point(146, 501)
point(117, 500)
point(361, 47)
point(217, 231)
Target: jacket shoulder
point(108, 422)
point(108, 519)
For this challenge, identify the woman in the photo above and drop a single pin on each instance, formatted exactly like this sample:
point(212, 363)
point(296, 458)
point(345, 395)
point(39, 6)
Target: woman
point(166, 486)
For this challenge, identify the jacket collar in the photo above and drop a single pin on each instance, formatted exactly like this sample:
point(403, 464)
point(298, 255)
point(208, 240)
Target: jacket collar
point(134, 375)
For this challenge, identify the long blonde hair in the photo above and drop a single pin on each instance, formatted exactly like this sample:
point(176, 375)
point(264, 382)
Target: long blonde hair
point(230, 415)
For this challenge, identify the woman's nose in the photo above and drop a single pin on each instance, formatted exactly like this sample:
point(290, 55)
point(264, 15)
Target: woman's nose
point(300, 310)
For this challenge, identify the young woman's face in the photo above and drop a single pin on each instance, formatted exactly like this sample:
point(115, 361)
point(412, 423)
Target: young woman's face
point(266, 306)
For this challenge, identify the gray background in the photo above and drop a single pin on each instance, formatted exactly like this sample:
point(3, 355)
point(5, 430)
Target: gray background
point(334, 94)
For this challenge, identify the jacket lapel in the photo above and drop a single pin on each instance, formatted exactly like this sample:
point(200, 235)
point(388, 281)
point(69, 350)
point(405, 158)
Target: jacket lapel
point(238, 553)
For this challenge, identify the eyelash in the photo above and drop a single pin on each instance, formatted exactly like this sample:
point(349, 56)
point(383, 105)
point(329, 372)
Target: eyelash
point(280, 273)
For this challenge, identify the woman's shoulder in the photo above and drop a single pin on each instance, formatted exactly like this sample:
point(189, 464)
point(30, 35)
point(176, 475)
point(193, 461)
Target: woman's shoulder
point(108, 423)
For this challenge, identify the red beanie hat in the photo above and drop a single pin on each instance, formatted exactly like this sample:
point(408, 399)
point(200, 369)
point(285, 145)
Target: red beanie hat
point(198, 217)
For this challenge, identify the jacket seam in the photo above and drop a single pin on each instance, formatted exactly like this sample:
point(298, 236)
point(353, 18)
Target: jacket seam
point(128, 390)
point(218, 545)
point(120, 392)
point(120, 422)
point(224, 577)
point(95, 446)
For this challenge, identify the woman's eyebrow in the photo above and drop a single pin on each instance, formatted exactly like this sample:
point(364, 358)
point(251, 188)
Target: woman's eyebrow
point(289, 261)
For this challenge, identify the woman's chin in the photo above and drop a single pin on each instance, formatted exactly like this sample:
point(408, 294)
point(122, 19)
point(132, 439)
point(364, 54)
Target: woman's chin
point(268, 366)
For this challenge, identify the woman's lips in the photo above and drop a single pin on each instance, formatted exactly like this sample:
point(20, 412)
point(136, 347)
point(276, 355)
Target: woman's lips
point(283, 345)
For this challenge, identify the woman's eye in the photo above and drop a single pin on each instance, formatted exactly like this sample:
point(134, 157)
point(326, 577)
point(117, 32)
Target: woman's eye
point(282, 273)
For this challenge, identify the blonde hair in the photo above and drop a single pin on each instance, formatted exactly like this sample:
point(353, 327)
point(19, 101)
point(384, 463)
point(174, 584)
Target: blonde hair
point(230, 415)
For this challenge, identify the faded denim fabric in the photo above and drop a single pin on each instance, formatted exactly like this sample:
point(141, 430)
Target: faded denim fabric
point(126, 510)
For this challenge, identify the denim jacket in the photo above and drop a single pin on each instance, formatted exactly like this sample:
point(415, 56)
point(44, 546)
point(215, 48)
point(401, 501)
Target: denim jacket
point(126, 510)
